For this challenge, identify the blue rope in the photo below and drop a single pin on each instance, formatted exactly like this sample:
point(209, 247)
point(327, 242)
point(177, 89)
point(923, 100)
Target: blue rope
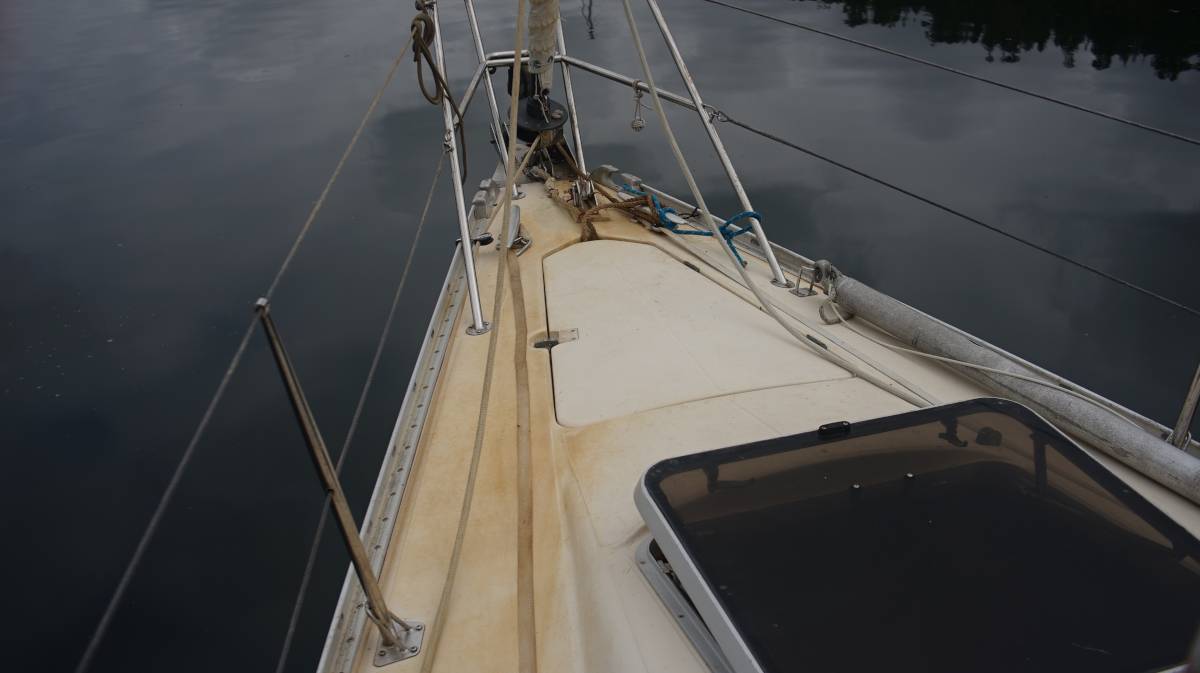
point(730, 232)
point(727, 228)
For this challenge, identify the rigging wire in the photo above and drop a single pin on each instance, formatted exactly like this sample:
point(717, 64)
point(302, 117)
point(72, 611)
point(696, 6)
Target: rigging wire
point(309, 565)
point(963, 73)
point(767, 306)
point(721, 116)
point(110, 609)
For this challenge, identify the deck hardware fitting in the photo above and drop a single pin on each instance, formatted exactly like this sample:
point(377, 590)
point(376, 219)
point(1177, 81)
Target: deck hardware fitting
point(521, 244)
point(514, 228)
point(834, 429)
point(518, 241)
point(483, 239)
point(814, 276)
point(557, 337)
point(407, 647)
point(951, 433)
point(660, 577)
point(638, 122)
point(563, 336)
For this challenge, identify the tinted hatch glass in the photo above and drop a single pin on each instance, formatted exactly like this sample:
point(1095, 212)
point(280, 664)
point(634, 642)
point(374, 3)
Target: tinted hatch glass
point(971, 537)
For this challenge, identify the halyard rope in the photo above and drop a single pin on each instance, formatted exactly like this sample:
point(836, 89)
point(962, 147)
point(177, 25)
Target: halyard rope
point(434, 631)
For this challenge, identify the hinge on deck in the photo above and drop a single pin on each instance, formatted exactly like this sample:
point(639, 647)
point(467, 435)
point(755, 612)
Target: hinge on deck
point(557, 337)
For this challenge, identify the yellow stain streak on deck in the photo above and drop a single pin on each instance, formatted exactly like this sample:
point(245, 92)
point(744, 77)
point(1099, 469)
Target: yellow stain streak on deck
point(594, 611)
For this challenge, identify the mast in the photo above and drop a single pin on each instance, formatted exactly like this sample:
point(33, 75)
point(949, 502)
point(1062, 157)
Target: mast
point(543, 37)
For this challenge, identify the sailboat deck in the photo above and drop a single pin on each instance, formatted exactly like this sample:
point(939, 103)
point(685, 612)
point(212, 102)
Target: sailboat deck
point(671, 358)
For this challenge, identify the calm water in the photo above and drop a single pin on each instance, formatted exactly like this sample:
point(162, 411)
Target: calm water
point(159, 155)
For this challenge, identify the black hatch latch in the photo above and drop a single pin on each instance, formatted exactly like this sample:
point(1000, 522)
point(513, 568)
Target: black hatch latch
point(833, 429)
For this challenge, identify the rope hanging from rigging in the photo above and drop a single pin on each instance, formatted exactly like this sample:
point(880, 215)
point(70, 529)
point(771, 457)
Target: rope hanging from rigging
point(423, 30)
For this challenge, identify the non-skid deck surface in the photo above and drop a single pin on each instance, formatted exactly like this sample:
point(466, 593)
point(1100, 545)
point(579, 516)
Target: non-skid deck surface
point(670, 360)
point(654, 332)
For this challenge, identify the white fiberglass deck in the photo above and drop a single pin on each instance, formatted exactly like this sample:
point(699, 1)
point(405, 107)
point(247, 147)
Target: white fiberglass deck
point(654, 332)
point(670, 359)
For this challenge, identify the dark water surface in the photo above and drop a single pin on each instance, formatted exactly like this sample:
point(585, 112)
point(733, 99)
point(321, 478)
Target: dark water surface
point(159, 156)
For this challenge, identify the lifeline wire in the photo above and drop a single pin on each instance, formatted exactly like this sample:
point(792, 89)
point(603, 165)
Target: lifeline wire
point(721, 116)
point(963, 73)
point(85, 661)
point(306, 578)
point(769, 308)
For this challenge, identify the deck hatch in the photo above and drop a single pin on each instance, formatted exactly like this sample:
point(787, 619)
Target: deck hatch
point(969, 537)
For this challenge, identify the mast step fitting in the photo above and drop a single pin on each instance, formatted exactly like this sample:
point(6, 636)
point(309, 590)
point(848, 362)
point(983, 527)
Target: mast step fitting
point(407, 646)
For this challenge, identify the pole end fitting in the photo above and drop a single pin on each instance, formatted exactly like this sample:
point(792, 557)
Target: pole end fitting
point(407, 639)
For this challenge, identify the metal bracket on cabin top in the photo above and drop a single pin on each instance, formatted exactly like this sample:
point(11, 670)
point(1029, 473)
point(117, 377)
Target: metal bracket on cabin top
point(407, 645)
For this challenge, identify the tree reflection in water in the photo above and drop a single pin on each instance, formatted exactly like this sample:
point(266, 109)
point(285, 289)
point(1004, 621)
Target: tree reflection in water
point(1164, 32)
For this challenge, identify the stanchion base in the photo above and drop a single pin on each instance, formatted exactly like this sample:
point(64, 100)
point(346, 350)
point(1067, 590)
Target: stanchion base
point(407, 647)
